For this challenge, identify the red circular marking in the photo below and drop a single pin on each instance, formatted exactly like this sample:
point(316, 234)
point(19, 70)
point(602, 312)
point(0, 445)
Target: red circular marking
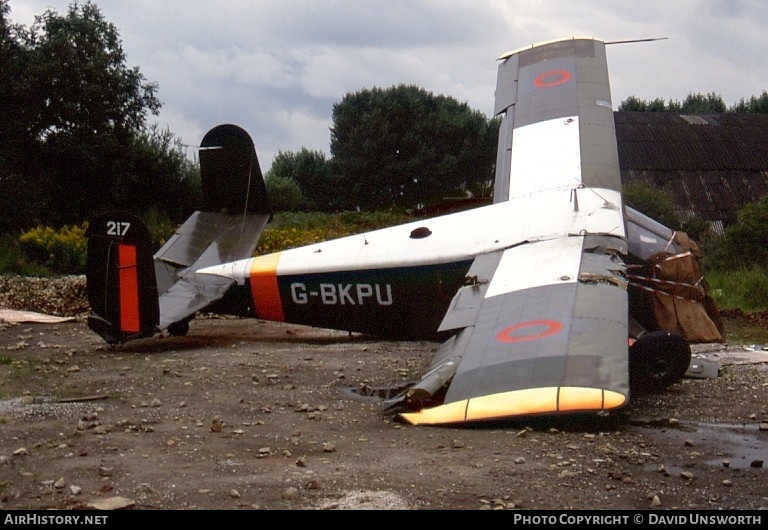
point(552, 327)
point(552, 78)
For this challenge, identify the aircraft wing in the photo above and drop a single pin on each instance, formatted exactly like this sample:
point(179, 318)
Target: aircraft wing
point(546, 332)
point(542, 325)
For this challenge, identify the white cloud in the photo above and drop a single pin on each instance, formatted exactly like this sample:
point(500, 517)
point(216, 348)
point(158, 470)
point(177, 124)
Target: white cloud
point(277, 68)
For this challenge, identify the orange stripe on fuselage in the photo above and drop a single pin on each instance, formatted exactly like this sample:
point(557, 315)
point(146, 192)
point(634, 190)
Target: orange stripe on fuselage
point(264, 288)
point(128, 280)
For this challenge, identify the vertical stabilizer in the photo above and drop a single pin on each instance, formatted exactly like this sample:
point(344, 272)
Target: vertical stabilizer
point(230, 174)
point(122, 291)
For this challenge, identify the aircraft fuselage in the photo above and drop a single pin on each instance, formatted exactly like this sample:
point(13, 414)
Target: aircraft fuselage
point(406, 302)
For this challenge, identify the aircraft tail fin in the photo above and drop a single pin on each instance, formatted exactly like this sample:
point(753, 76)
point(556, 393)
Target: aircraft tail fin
point(122, 290)
point(134, 293)
point(230, 174)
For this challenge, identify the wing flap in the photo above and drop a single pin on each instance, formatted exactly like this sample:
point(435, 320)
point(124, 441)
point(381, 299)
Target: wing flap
point(467, 301)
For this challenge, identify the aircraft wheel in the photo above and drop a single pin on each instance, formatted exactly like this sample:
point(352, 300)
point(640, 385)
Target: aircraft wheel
point(179, 329)
point(657, 360)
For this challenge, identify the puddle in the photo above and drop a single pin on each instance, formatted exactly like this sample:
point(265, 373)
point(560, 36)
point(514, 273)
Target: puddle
point(738, 446)
point(743, 445)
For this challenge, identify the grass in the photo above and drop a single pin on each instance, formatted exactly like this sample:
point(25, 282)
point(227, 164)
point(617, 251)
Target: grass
point(745, 289)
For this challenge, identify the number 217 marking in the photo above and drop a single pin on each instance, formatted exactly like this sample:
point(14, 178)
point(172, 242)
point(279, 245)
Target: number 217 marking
point(117, 228)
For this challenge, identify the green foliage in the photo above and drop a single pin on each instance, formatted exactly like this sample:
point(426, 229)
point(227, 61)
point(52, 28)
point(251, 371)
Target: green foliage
point(13, 260)
point(697, 228)
point(745, 289)
point(283, 192)
point(653, 202)
point(72, 119)
point(694, 103)
point(702, 104)
point(634, 104)
point(60, 251)
point(404, 146)
point(757, 104)
point(81, 72)
point(159, 225)
point(697, 103)
point(311, 173)
point(158, 176)
point(735, 262)
point(277, 239)
point(744, 243)
point(294, 229)
point(747, 238)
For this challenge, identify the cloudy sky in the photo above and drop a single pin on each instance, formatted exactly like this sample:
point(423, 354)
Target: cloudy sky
point(276, 68)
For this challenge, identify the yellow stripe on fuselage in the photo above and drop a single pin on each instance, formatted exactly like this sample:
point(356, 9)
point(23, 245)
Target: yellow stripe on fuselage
point(519, 403)
point(264, 288)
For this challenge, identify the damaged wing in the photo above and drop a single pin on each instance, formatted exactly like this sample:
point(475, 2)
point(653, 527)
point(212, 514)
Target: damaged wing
point(542, 325)
point(546, 333)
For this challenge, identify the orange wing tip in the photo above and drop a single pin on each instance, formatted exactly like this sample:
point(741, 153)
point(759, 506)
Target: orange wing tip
point(575, 399)
point(519, 403)
point(450, 413)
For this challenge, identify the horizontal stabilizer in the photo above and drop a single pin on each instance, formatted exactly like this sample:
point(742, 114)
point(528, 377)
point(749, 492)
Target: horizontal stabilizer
point(210, 239)
point(134, 293)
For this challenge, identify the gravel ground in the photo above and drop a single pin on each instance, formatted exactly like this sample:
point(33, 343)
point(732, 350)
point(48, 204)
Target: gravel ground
point(255, 415)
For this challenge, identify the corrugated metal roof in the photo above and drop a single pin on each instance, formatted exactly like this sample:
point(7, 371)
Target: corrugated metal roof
point(713, 164)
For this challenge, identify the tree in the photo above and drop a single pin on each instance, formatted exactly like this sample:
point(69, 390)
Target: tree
point(284, 194)
point(312, 174)
point(634, 104)
point(17, 201)
point(160, 177)
point(745, 239)
point(755, 104)
point(73, 117)
point(90, 110)
point(14, 92)
point(404, 146)
point(20, 198)
point(696, 103)
point(703, 104)
point(80, 74)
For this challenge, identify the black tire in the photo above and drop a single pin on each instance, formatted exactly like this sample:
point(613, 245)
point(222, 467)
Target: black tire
point(657, 360)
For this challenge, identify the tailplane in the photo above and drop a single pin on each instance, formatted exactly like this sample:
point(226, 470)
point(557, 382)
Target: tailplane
point(134, 293)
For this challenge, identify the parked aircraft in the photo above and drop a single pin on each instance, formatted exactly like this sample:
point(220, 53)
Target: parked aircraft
point(556, 298)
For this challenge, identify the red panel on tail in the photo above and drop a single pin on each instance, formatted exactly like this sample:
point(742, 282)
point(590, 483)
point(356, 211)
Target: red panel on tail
point(129, 288)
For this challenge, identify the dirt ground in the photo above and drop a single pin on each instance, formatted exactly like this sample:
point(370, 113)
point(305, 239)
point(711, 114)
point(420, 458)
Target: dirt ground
point(245, 414)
